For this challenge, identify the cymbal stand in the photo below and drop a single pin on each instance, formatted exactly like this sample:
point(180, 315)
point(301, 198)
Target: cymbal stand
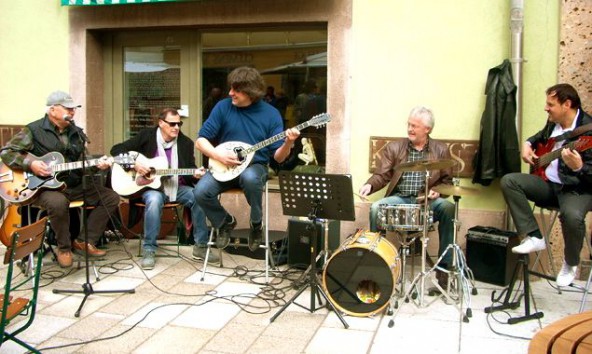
point(461, 278)
point(420, 278)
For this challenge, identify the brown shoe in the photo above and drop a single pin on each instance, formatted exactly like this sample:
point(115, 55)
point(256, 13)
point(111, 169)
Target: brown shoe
point(65, 258)
point(92, 250)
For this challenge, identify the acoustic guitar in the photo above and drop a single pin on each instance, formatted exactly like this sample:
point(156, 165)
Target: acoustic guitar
point(546, 154)
point(245, 152)
point(125, 181)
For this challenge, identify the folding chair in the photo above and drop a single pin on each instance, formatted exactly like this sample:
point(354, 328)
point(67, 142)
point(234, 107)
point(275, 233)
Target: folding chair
point(24, 241)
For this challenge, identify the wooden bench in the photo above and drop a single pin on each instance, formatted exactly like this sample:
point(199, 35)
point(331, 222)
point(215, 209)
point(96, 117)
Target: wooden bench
point(462, 151)
point(572, 334)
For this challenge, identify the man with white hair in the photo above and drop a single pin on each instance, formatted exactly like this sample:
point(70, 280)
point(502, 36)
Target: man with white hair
point(408, 187)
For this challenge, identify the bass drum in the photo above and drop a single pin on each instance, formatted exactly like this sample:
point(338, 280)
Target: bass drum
point(361, 276)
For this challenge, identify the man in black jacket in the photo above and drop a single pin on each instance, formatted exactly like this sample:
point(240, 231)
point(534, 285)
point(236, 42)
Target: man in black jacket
point(56, 132)
point(167, 141)
point(565, 183)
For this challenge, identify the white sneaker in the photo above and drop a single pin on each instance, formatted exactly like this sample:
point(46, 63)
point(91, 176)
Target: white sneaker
point(566, 275)
point(530, 244)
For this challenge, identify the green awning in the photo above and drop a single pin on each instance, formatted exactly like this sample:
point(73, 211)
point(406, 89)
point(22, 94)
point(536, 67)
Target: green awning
point(112, 2)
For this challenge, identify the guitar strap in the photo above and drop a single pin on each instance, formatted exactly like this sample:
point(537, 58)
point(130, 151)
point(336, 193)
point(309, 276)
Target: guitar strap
point(573, 133)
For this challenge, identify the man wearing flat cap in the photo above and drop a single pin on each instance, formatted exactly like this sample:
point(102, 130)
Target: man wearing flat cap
point(56, 132)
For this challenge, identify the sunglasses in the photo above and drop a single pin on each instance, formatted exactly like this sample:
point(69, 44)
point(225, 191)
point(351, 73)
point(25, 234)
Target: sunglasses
point(172, 124)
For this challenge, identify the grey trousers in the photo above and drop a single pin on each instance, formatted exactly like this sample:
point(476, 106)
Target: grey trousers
point(520, 188)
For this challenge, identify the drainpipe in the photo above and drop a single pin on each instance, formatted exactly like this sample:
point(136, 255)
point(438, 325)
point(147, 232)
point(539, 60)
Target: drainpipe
point(516, 27)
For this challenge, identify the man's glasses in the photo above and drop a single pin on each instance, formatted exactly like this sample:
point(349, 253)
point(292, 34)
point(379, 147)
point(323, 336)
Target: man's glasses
point(172, 124)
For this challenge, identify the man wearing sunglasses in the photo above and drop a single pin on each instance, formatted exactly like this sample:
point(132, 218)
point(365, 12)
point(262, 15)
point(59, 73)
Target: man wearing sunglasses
point(168, 141)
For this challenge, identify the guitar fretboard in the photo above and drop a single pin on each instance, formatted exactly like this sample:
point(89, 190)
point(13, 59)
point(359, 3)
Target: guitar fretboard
point(175, 171)
point(549, 157)
point(271, 140)
point(66, 166)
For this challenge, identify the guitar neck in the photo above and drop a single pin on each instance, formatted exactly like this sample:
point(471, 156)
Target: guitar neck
point(66, 166)
point(271, 140)
point(176, 171)
point(549, 157)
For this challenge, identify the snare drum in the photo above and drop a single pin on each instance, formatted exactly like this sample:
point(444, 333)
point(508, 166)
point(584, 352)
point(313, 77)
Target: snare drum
point(361, 276)
point(401, 217)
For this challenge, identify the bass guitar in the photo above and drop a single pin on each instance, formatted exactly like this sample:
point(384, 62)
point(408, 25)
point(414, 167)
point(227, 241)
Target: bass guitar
point(547, 154)
point(245, 152)
point(125, 181)
point(19, 187)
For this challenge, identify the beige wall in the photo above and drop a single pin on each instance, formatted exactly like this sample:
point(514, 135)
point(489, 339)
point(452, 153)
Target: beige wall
point(34, 57)
point(438, 53)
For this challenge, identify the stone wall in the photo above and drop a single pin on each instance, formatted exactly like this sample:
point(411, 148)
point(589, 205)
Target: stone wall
point(575, 48)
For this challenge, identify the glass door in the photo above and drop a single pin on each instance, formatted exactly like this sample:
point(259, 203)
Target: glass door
point(152, 71)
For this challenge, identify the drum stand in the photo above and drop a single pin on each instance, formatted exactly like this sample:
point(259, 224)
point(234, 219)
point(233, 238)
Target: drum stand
point(419, 280)
point(405, 240)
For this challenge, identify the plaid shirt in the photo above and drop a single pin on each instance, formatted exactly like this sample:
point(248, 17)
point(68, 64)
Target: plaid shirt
point(412, 182)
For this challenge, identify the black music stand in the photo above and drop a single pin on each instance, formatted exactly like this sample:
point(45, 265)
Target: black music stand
point(316, 196)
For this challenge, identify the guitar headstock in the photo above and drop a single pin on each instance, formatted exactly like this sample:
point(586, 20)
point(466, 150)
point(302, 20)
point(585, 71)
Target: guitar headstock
point(126, 160)
point(320, 120)
point(583, 143)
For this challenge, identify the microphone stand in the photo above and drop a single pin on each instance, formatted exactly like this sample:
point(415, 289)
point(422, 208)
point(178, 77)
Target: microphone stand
point(87, 288)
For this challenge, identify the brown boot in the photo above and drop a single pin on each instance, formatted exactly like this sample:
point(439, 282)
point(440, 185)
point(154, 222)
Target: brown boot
point(64, 258)
point(79, 248)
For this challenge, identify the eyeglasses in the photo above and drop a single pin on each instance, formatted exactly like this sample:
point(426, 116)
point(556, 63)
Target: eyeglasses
point(172, 124)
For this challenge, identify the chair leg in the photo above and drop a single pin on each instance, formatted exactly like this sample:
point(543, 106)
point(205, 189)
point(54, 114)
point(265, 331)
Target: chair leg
point(213, 232)
point(587, 287)
point(546, 231)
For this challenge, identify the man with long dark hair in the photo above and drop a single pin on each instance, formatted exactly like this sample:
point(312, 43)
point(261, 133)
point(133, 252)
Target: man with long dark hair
point(242, 117)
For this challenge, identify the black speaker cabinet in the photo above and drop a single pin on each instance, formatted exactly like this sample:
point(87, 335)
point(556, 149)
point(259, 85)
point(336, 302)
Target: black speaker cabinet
point(489, 254)
point(299, 240)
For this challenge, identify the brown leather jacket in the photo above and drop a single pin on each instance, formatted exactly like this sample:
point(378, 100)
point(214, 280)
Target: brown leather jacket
point(395, 153)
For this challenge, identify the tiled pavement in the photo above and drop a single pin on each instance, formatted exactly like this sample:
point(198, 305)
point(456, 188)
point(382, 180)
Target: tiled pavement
point(173, 311)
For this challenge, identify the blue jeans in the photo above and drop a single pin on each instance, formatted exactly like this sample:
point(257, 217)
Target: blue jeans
point(252, 181)
point(155, 200)
point(443, 213)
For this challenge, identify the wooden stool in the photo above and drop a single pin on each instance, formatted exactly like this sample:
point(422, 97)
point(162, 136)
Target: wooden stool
point(177, 220)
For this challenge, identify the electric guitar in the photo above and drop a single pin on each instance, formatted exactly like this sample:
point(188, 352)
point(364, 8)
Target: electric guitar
point(130, 182)
point(547, 154)
point(19, 187)
point(245, 152)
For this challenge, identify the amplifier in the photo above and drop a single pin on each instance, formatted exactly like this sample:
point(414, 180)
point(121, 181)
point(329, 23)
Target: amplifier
point(489, 254)
point(299, 240)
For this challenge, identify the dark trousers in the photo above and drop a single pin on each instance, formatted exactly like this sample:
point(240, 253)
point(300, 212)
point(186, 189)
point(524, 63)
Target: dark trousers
point(520, 188)
point(56, 204)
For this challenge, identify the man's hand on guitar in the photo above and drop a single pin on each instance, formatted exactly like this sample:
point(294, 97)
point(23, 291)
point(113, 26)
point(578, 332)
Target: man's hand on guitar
point(528, 154)
point(104, 163)
point(141, 169)
point(200, 172)
point(227, 157)
point(292, 134)
point(572, 159)
point(41, 169)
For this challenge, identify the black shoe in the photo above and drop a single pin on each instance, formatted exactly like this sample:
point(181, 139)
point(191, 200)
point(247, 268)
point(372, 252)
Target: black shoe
point(442, 278)
point(224, 233)
point(255, 235)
